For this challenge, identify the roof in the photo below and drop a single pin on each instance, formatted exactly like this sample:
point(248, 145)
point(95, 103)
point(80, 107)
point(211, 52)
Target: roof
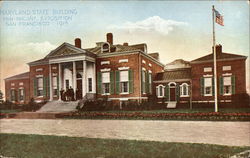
point(181, 74)
point(177, 64)
point(19, 76)
point(220, 56)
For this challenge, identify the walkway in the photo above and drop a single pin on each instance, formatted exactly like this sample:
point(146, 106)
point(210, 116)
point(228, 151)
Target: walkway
point(223, 133)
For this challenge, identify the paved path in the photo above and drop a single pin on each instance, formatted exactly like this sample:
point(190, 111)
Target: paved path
point(224, 133)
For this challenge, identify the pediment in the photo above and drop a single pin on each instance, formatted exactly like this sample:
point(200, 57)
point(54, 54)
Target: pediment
point(64, 50)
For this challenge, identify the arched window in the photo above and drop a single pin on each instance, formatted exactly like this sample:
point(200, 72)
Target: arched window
point(184, 90)
point(160, 89)
point(105, 47)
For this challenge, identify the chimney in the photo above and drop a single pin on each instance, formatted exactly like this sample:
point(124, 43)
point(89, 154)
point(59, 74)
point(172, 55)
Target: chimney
point(78, 43)
point(218, 49)
point(125, 44)
point(110, 38)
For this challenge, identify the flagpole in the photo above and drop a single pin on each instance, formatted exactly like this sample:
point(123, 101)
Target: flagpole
point(215, 68)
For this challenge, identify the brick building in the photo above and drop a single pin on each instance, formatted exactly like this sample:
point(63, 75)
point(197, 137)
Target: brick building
point(123, 72)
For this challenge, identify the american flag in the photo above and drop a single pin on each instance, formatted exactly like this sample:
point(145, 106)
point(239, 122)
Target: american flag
point(218, 18)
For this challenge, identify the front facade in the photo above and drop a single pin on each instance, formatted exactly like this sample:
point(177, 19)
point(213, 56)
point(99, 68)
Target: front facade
point(123, 72)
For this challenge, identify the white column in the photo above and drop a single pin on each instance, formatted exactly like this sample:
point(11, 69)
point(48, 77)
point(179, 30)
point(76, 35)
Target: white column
point(60, 80)
point(84, 76)
point(94, 79)
point(74, 78)
point(50, 84)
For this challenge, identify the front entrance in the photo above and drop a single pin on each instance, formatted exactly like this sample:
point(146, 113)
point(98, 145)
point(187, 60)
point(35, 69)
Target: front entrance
point(172, 87)
point(172, 94)
point(79, 89)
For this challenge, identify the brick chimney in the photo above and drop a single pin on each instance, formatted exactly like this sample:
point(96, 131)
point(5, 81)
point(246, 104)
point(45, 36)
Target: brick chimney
point(78, 43)
point(110, 38)
point(125, 44)
point(218, 49)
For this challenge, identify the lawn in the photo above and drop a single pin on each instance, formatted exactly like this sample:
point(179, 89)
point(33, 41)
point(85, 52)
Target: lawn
point(36, 146)
point(10, 111)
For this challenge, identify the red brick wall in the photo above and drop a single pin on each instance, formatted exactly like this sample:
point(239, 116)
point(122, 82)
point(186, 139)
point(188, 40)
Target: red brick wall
point(25, 85)
point(237, 69)
point(33, 73)
point(134, 61)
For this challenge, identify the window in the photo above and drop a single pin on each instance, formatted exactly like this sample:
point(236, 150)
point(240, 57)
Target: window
point(55, 90)
point(160, 91)
point(106, 82)
point(21, 95)
point(124, 82)
point(12, 84)
point(21, 84)
point(105, 62)
point(39, 69)
point(226, 68)
point(90, 84)
point(184, 90)
point(105, 47)
point(207, 69)
point(227, 89)
point(12, 95)
point(150, 83)
point(40, 86)
point(144, 82)
point(143, 61)
point(208, 86)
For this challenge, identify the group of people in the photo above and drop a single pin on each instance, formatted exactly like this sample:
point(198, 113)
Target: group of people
point(69, 94)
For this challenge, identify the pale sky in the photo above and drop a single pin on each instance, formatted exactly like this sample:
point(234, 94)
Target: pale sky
point(175, 29)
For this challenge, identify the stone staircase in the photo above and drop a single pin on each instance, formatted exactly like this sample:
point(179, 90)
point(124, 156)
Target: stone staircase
point(58, 107)
point(171, 105)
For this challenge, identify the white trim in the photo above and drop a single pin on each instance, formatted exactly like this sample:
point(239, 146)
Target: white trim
point(207, 69)
point(207, 75)
point(149, 64)
point(54, 74)
point(105, 69)
point(226, 68)
point(144, 69)
point(123, 99)
point(39, 75)
point(128, 98)
point(123, 68)
point(39, 69)
point(143, 61)
point(122, 93)
point(123, 60)
point(172, 83)
point(20, 83)
point(12, 84)
point(105, 94)
point(71, 59)
point(54, 68)
point(149, 71)
point(105, 62)
point(227, 74)
point(181, 90)
point(158, 91)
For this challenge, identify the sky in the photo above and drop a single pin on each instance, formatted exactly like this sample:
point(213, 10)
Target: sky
point(175, 29)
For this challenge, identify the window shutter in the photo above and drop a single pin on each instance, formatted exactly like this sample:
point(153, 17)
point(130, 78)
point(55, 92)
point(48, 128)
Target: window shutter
point(167, 92)
point(99, 82)
point(141, 81)
point(15, 95)
point(202, 86)
point(213, 87)
point(44, 87)
point(221, 85)
point(24, 95)
point(147, 82)
point(233, 84)
point(157, 91)
point(177, 92)
point(131, 81)
point(112, 84)
point(117, 81)
point(35, 86)
point(58, 86)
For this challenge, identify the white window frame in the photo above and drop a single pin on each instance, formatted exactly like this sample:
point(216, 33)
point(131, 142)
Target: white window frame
point(54, 85)
point(149, 64)
point(22, 89)
point(143, 61)
point(224, 86)
point(12, 84)
point(210, 94)
point(39, 69)
point(158, 91)
point(144, 81)
point(90, 78)
point(122, 83)
point(40, 88)
point(20, 83)
point(104, 83)
point(182, 90)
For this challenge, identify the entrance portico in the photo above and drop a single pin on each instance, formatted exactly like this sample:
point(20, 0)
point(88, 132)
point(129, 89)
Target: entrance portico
point(77, 72)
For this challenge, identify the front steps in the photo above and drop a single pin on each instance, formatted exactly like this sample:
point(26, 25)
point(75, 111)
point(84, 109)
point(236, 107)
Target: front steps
point(171, 105)
point(58, 107)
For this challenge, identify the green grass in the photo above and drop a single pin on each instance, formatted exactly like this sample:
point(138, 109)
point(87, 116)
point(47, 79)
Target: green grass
point(10, 111)
point(35, 146)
